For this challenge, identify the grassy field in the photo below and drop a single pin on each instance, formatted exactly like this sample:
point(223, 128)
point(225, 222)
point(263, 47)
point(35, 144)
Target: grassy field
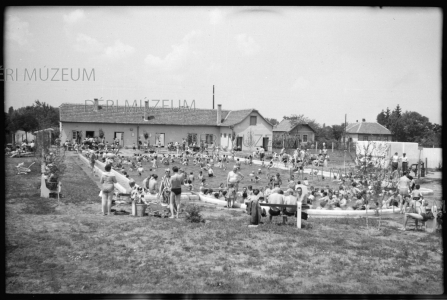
point(72, 248)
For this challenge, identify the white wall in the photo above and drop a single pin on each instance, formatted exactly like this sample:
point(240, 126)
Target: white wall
point(433, 156)
point(21, 135)
point(172, 133)
point(261, 130)
point(225, 141)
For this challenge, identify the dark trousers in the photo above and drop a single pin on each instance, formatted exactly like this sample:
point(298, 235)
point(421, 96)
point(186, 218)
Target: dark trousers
point(404, 166)
point(394, 165)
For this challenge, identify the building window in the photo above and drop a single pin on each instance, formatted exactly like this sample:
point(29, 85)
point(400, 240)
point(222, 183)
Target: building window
point(253, 120)
point(192, 138)
point(74, 135)
point(209, 138)
point(304, 138)
point(89, 134)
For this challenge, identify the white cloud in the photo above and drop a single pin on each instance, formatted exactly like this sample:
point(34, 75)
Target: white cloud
point(216, 16)
point(17, 30)
point(119, 50)
point(87, 44)
point(177, 57)
point(300, 84)
point(247, 44)
point(74, 16)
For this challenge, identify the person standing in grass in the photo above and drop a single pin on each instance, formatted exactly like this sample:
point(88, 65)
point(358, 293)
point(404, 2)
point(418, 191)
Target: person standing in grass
point(234, 177)
point(394, 162)
point(108, 181)
point(165, 187)
point(403, 184)
point(176, 191)
point(230, 195)
point(254, 208)
point(92, 161)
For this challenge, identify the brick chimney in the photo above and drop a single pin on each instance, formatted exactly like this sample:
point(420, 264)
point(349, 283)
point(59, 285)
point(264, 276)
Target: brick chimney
point(219, 114)
point(95, 107)
point(146, 109)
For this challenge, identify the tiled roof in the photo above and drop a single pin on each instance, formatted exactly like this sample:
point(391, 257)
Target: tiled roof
point(286, 126)
point(161, 116)
point(235, 116)
point(367, 128)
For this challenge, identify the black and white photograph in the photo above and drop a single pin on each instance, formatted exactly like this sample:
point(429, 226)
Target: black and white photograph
point(223, 150)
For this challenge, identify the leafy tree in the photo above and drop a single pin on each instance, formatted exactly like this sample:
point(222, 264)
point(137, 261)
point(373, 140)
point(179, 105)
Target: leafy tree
point(337, 131)
point(382, 119)
point(272, 121)
point(301, 119)
point(387, 118)
point(397, 112)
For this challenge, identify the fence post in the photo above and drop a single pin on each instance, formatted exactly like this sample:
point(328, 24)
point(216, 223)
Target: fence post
point(332, 146)
point(298, 214)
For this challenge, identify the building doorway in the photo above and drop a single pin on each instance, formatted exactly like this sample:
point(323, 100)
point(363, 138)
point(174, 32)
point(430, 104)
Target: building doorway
point(239, 142)
point(119, 136)
point(265, 143)
point(89, 134)
point(160, 139)
point(76, 136)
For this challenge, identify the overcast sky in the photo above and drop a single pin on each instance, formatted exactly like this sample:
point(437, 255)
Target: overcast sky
point(316, 61)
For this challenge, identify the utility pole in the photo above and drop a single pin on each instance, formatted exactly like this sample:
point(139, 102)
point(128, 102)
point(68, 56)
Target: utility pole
point(213, 96)
point(344, 132)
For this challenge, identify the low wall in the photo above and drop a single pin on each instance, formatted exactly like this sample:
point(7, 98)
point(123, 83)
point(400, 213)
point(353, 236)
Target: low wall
point(433, 156)
point(123, 182)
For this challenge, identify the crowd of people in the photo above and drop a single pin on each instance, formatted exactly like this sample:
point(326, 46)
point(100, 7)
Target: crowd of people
point(20, 148)
point(353, 193)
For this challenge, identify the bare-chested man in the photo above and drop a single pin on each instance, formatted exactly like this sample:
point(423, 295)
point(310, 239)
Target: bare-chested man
point(234, 177)
point(176, 191)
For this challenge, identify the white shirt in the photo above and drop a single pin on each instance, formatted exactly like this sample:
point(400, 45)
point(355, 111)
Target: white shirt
point(395, 158)
point(404, 158)
point(261, 150)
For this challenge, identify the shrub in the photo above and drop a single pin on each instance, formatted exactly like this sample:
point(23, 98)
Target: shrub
point(193, 214)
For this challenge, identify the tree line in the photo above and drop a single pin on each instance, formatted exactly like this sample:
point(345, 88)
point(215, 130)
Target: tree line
point(31, 118)
point(411, 126)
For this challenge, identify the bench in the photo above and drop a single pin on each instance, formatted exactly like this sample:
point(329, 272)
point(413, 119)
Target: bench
point(45, 192)
point(299, 208)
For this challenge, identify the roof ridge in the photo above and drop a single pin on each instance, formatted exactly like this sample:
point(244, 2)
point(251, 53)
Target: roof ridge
point(382, 126)
point(151, 107)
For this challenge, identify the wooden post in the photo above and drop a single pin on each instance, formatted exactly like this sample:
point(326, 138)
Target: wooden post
point(298, 214)
point(419, 165)
point(332, 146)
